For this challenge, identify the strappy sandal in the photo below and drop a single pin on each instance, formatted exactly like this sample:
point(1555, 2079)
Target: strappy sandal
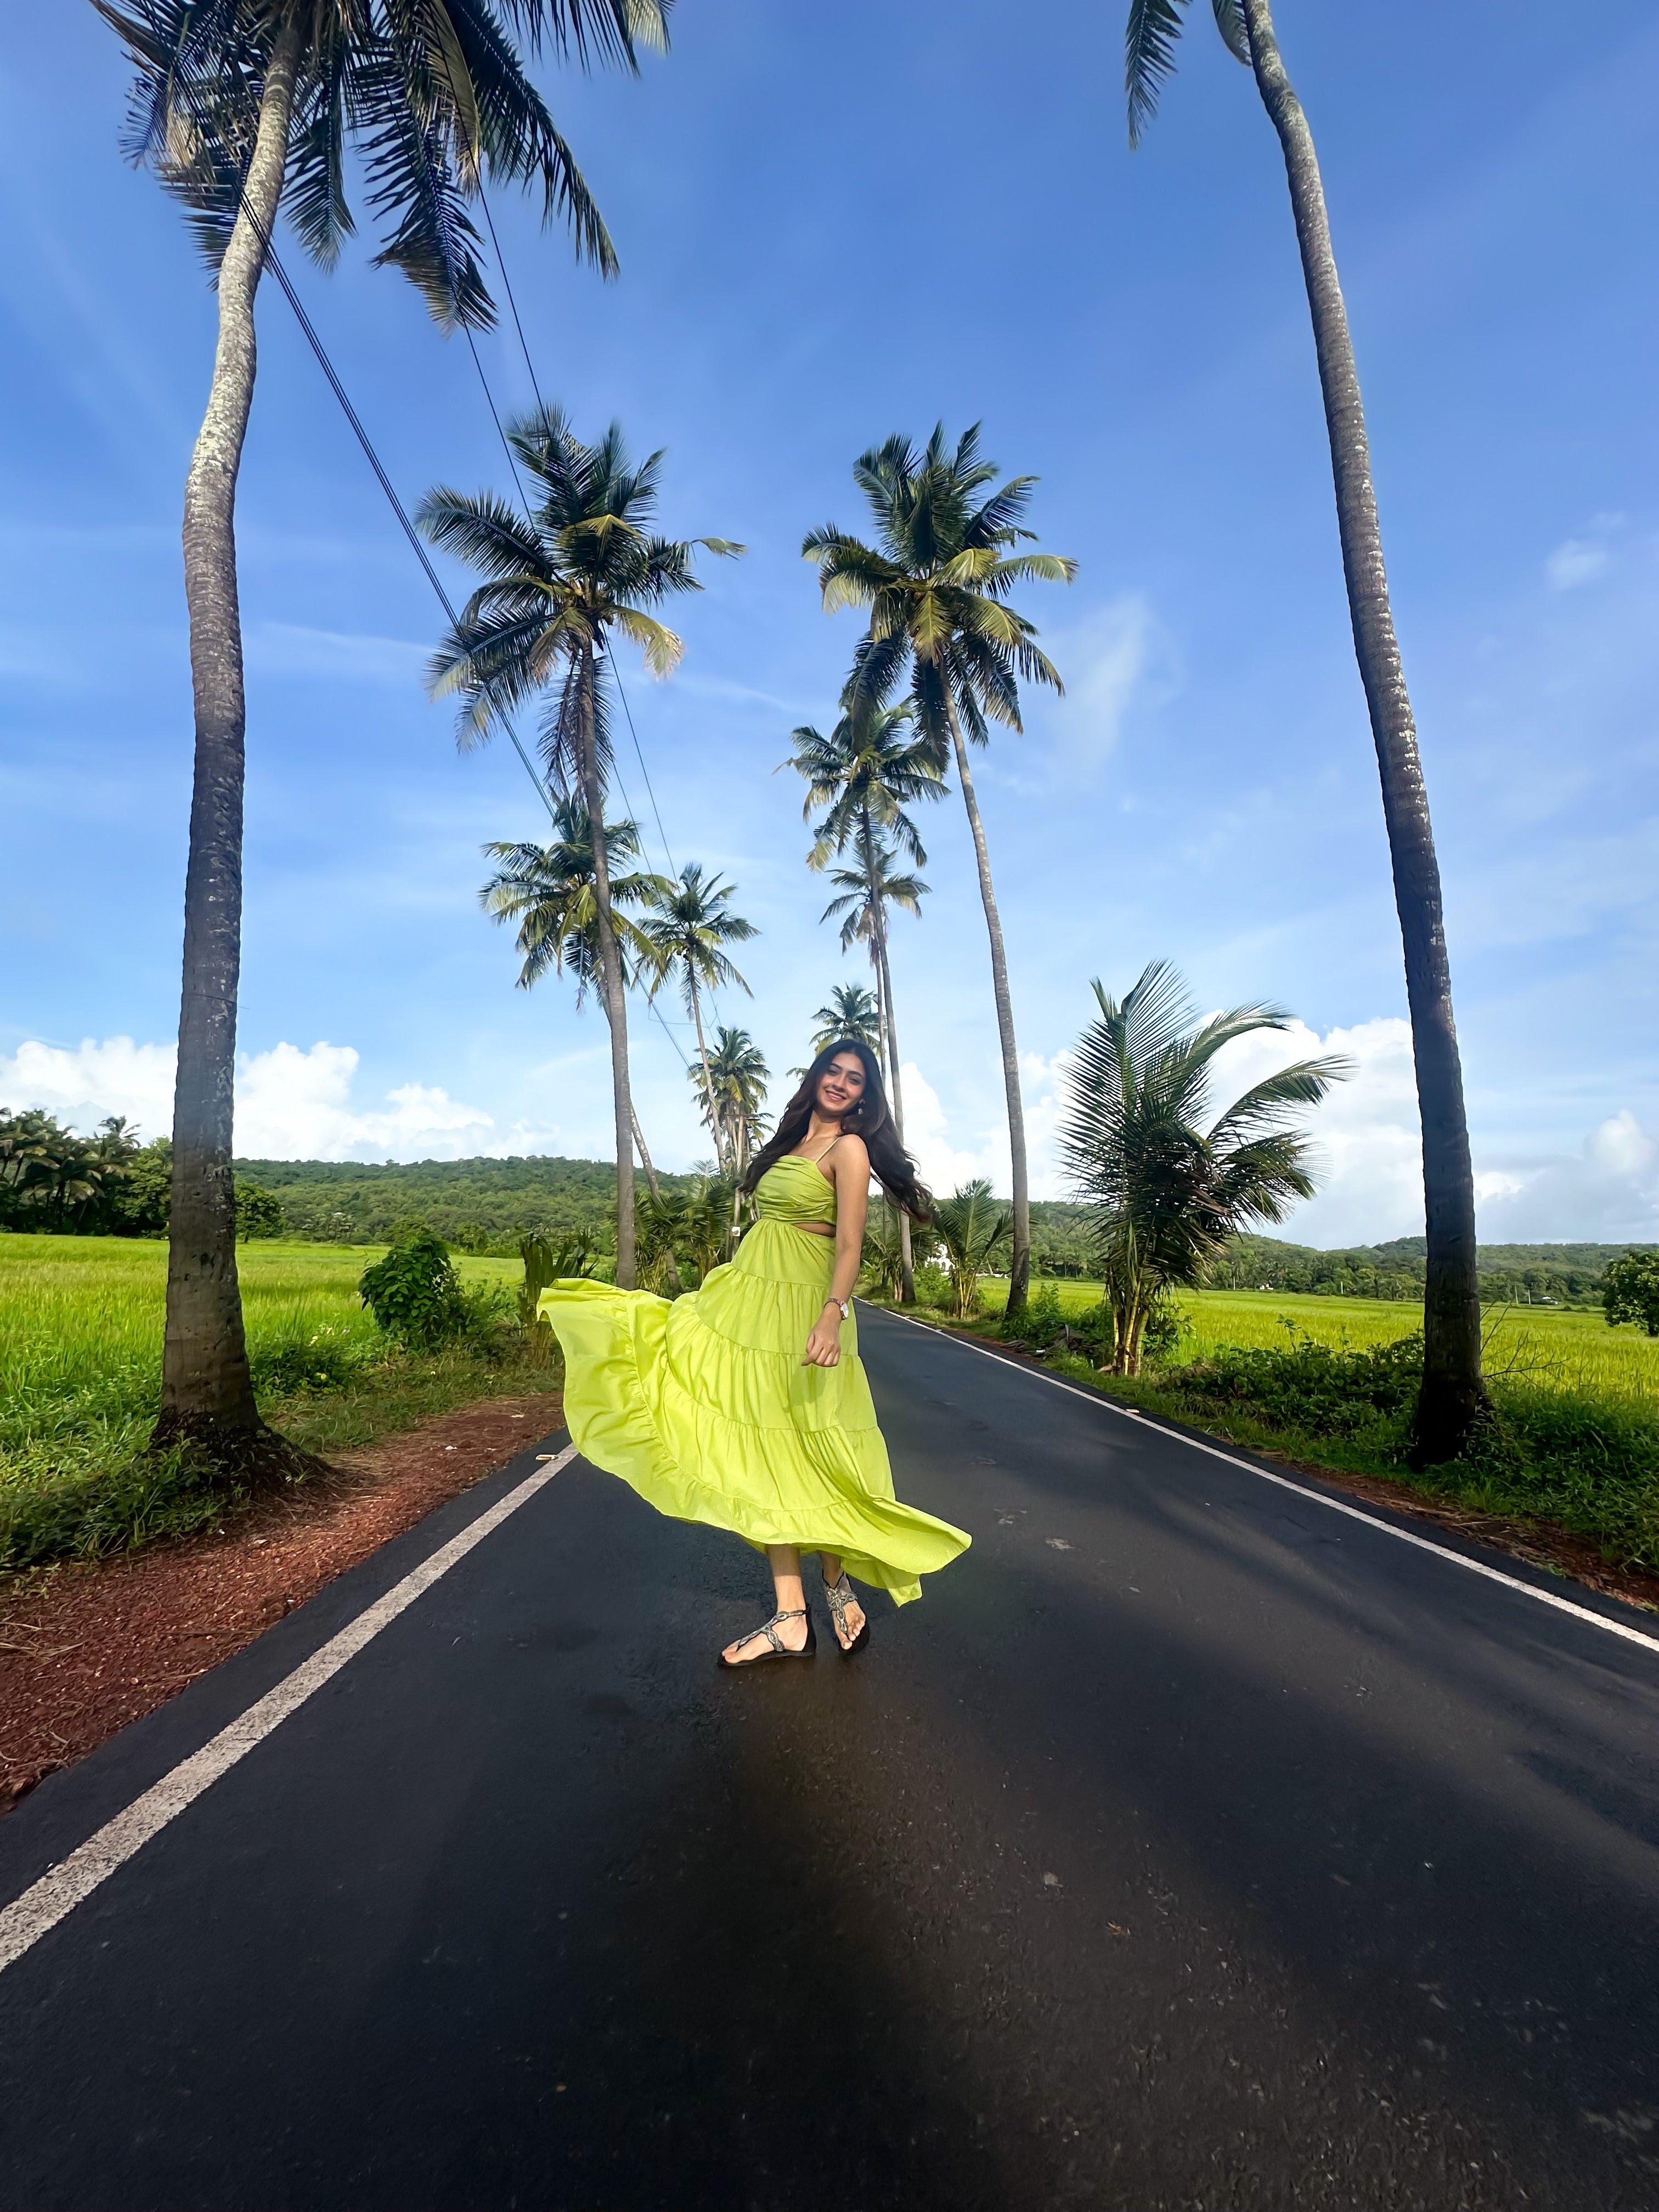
point(838, 1596)
point(780, 1649)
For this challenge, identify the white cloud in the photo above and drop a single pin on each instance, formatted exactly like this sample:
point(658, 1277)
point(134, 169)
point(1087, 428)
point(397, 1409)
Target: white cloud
point(1606, 1192)
point(1576, 560)
point(291, 1104)
point(80, 1087)
point(1106, 661)
point(1366, 1135)
point(280, 648)
point(1573, 562)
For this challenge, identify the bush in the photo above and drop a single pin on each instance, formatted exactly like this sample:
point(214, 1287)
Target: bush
point(1041, 1322)
point(1310, 1387)
point(258, 1211)
point(932, 1286)
point(415, 1294)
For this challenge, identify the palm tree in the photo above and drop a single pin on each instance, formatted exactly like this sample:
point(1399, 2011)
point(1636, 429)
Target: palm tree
point(558, 585)
point(687, 933)
point(1454, 1397)
point(1168, 1192)
point(552, 892)
point(852, 1011)
point(738, 1077)
point(549, 891)
point(867, 772)
point(232, 102)
point(973, 1231)
point(936, 588)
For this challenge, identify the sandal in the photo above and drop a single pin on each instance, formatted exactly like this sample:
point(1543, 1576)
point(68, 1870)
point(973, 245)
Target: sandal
point(838, 1596)
point(780, 1649)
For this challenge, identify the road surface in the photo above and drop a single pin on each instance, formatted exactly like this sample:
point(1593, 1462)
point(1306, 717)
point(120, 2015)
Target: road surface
point(1191, 1844)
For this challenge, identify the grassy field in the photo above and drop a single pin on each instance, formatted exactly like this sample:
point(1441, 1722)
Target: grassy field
point(81, 1320)
point(1554, 1348)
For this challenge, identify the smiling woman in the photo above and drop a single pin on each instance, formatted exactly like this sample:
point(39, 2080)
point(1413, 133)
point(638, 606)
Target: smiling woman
point(745, 1405)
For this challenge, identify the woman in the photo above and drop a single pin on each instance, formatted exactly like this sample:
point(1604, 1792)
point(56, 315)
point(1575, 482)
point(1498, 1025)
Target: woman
point(745, 1405)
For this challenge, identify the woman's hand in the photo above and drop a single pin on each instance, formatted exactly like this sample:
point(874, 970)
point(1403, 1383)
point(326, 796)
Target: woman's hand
point(823, 1346)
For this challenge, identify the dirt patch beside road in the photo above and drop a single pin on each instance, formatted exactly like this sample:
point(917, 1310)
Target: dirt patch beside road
point(86, 1648)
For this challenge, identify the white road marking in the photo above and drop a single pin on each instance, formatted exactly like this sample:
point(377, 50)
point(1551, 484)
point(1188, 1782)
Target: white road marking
point(73, 1879)
point(1315, 1496)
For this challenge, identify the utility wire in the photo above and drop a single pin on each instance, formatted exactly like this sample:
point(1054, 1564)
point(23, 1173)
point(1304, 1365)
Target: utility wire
point(314, 339)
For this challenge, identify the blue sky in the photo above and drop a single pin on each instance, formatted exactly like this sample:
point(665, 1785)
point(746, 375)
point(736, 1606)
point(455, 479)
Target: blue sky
point(831, 226)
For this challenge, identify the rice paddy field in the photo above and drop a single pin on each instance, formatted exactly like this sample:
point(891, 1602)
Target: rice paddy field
point(1558, 1348)
point(80, 1322)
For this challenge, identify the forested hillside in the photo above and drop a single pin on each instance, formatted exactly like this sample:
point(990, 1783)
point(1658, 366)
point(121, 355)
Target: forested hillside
point(466, 1201)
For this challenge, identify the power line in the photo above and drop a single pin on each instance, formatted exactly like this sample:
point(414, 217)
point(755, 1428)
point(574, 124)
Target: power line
point(325, 362)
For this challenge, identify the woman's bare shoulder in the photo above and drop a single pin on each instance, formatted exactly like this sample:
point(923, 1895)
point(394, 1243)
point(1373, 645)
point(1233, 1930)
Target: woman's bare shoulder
point(851, 1155)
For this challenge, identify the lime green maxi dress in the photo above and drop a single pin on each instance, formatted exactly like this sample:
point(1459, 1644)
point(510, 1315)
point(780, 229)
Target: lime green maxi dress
point(703, 1406)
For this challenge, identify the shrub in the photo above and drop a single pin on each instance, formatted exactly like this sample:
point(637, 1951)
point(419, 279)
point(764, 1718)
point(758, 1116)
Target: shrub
point(1042, 1320)
point(258, 1211)
point(414, 1293)
point(932, 1286)
point(1309, 1386)
point(1631, 1290)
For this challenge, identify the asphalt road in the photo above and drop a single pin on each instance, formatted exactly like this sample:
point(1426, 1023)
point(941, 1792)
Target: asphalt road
point(1189, 1845)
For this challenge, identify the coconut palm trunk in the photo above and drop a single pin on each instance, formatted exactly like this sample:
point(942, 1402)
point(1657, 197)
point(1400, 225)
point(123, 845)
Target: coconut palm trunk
point(702, 1055)
point(1020, 1273)
point(207, 1398)
point(890, 1032)
point(1453, 1396)
point(611, 977)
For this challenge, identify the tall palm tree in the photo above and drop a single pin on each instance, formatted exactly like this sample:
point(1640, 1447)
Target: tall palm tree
point(1454, 1397)
point(233, 100)
point(1167, 1191)
point(687, 933)
point(851, 1011)
point(550, 891)
point(937, 586)
point(583, 565)
point(867, 772)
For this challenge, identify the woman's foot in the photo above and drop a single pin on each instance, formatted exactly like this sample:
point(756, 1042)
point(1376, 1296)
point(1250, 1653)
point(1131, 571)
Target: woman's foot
point(846, 1615)
point(786, 1635)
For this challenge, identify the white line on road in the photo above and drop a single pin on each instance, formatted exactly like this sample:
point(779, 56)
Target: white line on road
point(1301, 1489)
point(73, 1879)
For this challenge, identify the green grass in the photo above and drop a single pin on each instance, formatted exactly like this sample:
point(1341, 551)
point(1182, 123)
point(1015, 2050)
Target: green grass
point(80, 1322)
point(1574, 1444)
point(1543, 1347)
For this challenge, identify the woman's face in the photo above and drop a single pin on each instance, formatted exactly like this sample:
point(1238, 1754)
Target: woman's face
point(840, 1086)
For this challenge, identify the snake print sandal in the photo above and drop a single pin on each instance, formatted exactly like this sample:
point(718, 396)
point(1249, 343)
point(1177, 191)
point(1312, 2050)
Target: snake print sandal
point(780, 1649)
point(838, 1596)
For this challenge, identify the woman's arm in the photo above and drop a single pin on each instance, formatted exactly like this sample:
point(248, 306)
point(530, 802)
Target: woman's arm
point(850, 1166)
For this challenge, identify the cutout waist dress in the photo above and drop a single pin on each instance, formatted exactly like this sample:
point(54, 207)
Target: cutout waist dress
point(704, 1406)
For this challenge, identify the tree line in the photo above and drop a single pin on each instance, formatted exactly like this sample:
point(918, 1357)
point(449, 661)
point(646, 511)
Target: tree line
point(249, 109)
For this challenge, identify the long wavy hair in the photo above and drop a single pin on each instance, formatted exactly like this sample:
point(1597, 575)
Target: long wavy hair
point(893, 1167)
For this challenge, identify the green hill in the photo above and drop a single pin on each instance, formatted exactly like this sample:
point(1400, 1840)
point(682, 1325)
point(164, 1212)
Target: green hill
point(467, 1201)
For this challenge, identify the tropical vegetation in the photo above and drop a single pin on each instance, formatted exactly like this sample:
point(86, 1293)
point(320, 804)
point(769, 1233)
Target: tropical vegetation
point(1454, 1398)
point(582, 564)
point(243, 109)
point(937, 586)
point(1168, 1184)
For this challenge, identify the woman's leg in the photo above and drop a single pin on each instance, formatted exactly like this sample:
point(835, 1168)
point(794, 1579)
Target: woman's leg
point(785, 1561)
point(831, 1566)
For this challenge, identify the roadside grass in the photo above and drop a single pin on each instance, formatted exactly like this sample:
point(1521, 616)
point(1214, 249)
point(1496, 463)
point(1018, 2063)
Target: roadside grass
point(80, 1323)
point(1574, 1443)
point(1565, 1348)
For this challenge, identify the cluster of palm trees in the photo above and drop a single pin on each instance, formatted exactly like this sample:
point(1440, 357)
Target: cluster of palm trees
point(246, 108)
point(52, 1179)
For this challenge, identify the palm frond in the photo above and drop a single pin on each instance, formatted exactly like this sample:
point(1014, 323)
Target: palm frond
point(1154, 27)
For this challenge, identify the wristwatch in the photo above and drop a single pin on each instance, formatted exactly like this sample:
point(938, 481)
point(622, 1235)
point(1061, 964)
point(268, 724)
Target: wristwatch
point(845, 1308)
